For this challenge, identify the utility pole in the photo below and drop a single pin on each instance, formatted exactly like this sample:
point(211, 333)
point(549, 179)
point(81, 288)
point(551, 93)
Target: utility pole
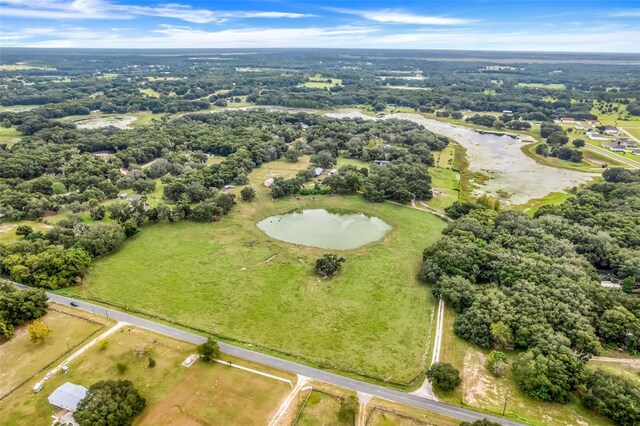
point(504, 409)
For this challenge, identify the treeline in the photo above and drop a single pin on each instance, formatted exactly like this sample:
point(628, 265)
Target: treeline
point(18, 307)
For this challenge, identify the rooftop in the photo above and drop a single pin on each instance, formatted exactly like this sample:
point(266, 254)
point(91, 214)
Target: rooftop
point(67, 396)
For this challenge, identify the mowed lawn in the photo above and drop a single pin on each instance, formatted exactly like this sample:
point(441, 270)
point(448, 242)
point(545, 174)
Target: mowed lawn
point(20, 358)
point(231, 279)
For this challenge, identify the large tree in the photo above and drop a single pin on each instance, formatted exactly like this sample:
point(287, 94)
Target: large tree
point(109, 403)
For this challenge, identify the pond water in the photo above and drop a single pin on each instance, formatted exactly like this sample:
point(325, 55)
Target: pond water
point(499, 157)
point(324, 229)
point(121, 122)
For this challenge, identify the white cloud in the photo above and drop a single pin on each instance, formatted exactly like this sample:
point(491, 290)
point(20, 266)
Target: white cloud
point(101, 9)
point(628, 13)
point(596, 39)
point(391, 16)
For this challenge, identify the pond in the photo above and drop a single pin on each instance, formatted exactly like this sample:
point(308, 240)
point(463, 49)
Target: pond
point(324, 229)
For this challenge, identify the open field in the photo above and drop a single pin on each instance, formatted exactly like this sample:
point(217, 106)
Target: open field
point(445, 188)
point(217, 394)
point(20, 358)
point(553, 86)
point(318, 82)
point(385, 413)
point(201, 394)
point(9, 135)
point(321, 409)
point(553, 199)
point(17, 108)
point(231, 279)
point(150, 92)
point(483, 392)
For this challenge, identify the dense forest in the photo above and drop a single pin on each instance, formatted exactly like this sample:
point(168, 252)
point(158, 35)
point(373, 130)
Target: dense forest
point(532, 283)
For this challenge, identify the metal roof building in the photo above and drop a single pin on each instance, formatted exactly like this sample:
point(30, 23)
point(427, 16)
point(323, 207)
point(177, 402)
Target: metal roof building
point(67, 396)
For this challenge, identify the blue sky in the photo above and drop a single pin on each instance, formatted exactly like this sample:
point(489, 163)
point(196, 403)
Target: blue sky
point(534, 25)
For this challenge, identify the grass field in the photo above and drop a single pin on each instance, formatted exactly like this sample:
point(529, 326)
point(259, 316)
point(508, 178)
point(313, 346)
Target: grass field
point(553, 199)
point(217, 394)
point(318, 82)
point(9, 135)
point(553, 86)
point(386, 413)
point(231, 279)
point(320, 409)
point(150, 92)
point(445, 188)
point(20, 358)
point(201, 394)
point(481, 391)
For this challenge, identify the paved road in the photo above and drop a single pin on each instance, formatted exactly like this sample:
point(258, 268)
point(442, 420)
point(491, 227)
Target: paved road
point(290, 366)
point(629, 162)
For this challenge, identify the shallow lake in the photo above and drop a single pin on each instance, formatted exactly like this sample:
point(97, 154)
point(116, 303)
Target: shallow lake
point(324, 229)
point(498, 157)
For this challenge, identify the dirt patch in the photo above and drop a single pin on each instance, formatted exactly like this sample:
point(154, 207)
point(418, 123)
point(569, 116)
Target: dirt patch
point(477, 387)
point(121, 122)
point(7, 228)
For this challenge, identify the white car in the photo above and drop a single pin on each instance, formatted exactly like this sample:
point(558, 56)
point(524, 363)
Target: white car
point(48, 376)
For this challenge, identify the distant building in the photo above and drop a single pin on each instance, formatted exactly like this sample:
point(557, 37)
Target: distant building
point(595, 136)
point(507, 112)
point(611, 130)
point(381, 162)
point(568, 119)
point(67, 396)
point(333, 171)
point(229, 187)
point(592, 122)
point(617, 149)
point(614, 144)
point(635, 151)
point(268, 182)
point(135, 197)
point(318, 171)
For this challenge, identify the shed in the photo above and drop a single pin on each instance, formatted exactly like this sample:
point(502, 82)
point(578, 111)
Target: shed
point(381, 162)
point(67, 396)
point(135, 197)
point(635, 151)
point(318, 171)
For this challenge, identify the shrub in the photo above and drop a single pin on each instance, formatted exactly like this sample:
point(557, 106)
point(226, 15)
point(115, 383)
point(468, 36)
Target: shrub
point(122, 367)
point(328, 265)
point(444, 377)
point(209, 351)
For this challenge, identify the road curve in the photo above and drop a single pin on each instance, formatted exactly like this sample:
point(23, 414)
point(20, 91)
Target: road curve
point(282, 364)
